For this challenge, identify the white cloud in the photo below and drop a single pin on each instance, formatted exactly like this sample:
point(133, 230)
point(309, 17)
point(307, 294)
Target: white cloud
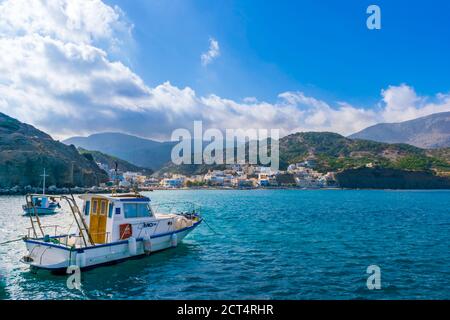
point(56, 73)
point(402, 103)
point(76, 21)
point(212, 53)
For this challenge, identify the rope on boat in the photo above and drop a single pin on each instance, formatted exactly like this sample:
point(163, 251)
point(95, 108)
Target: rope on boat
point(207, 224)
point(11, 241)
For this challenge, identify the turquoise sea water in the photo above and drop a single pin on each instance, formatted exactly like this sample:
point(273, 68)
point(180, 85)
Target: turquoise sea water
point(269, 244)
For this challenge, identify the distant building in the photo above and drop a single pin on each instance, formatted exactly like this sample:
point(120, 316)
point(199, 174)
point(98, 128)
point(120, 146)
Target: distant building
point(310, 162)
point(196, 179)
point(248, 169)
point(267, 179)
point(172, 183)
point(243, 183)
point(308, 182)
point(228, 180)
point(134, 177)
point(330, 179)
point(291, 168)
point(266, 170)
point(124, 184)
point(215, 178)
point(151, 182)
point(103, 166)
point(115, 176)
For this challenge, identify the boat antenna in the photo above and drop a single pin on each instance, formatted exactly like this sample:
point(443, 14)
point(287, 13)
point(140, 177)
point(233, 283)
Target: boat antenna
point(115, 175)
point(43, 182)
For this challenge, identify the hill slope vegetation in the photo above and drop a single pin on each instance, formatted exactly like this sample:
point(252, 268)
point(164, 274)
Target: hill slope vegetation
point(25, 151)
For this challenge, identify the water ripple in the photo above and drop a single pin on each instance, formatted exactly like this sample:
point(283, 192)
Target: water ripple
point(285, 244)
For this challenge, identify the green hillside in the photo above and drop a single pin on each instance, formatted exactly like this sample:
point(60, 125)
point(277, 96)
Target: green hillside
point(334, 152)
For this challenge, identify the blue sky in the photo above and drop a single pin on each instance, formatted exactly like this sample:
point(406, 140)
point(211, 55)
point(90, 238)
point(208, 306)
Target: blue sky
point(319, 47)
point(148, 67)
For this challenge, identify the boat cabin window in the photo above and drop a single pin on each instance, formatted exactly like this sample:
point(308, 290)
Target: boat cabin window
point(87, 207)
point(103, 208)
point(136, 210)
point(37, 202)
point(94, 206)
point(110, 209)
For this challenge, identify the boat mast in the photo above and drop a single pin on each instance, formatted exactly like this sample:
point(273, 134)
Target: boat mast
point(116, 180)
point(43, 183)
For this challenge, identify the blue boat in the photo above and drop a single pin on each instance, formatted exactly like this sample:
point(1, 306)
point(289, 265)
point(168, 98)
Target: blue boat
point(41, 204)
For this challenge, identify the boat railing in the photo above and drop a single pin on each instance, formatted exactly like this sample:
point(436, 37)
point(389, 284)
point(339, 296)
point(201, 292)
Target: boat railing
point(69, 240)
point(78, 217)
point(53, 228)
point(176, 207)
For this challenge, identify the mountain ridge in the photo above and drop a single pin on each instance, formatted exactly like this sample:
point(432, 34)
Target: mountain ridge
point(141, 152)
point(429, 132)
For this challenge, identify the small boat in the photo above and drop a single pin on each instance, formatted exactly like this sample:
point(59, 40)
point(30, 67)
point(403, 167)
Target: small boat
point(109, 228)
point(41, 204)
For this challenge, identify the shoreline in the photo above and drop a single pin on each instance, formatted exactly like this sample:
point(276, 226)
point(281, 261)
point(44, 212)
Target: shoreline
point(66, 191)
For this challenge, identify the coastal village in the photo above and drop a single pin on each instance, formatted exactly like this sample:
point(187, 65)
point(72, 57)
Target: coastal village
point(301, 175)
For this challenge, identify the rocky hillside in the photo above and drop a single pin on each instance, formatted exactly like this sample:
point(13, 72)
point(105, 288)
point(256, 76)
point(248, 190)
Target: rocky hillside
point(385, 178)
point(111, 161)
point(432, 131)
point(25, 151)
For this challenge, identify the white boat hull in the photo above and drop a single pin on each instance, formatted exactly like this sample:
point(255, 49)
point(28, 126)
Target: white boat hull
point(55, 257)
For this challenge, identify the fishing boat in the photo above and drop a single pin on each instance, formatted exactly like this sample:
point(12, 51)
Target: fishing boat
point(108, 229)
point(41, 204)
